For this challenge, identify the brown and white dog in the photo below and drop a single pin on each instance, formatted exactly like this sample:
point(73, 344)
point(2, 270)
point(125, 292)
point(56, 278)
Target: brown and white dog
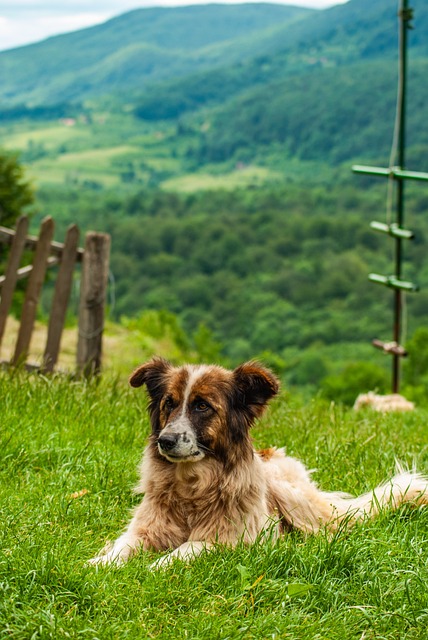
point(204, 483)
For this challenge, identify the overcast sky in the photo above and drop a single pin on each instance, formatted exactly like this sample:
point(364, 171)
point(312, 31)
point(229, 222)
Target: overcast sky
point(26, 21)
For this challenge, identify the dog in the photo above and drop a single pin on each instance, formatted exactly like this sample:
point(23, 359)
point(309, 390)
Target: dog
point(203, 482)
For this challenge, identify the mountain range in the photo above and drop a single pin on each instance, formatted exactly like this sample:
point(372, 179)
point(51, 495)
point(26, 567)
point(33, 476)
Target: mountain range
point(139, 47)
point(238, 80)
point(145, 46)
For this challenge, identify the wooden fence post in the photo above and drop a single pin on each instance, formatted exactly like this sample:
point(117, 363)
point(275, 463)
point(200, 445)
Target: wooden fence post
point(34, 287)
point(11, 276)
point(93, 288)
point(60, 300)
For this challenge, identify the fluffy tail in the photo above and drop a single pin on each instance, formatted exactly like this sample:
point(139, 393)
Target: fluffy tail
point(405, 486)
point(302, 505)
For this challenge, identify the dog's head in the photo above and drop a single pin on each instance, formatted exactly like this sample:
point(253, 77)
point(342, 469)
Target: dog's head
point(203, 410)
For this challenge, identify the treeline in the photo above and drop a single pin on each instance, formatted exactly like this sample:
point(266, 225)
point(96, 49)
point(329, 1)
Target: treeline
point(39, 112)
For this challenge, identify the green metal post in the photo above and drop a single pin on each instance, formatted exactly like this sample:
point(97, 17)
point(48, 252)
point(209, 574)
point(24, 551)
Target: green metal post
point(395, 229)
point(402, 85)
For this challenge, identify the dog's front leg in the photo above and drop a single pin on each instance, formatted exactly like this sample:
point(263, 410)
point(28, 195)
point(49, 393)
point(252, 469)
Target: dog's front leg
point(122, 549)
point(185, 552)
point(135, 536)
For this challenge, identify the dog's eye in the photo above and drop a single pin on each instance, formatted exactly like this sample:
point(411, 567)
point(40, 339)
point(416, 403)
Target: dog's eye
point(169, 404)
point(201, 406)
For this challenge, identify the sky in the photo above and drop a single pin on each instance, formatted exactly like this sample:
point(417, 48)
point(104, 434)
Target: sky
point(26, 21)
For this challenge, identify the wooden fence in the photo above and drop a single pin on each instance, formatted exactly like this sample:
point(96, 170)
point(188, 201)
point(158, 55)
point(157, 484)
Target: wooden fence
point(94, 258)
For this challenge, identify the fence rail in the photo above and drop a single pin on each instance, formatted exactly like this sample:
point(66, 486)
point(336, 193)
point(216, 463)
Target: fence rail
point(94, 259)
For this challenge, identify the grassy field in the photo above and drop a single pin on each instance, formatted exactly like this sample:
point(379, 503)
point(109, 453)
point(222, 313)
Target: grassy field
point(119, 151)
point(107, 149)
point(124, 347)
point(69, 452)
point(244, 177)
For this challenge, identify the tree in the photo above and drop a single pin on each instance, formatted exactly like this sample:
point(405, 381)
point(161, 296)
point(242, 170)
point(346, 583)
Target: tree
point(15, 192)
point(356, 378)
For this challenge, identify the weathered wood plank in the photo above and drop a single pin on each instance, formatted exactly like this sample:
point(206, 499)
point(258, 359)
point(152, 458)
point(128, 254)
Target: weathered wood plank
point(93, 288)
point(7, 235)
point(61, 296)
point(10, 276)
point(34, 287)
point(24, 272)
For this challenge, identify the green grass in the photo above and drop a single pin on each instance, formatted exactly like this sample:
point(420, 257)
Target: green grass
point(59, 436)
point(50, 136)
point(99, 150)
point(233, 180)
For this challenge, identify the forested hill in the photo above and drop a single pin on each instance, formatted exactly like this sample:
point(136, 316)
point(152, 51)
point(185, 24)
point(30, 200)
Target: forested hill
point(336, 68)
point(139, 47)
point(209, 69)
point(251, 43)
point(360, 31)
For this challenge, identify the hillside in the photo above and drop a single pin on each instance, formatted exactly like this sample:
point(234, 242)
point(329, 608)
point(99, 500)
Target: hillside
point(249, 43)
point(332, 93)
point(137, 47)
point(206, 71)
point(338, 37)
point(343, 114)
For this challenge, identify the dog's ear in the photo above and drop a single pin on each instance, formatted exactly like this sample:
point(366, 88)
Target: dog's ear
point(256, 386)
point(153, 375)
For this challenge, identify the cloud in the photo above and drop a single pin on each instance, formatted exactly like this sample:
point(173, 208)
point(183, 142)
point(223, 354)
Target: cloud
point(16, 7)
point(27, 21)
point(15, 32)
point(71, 22)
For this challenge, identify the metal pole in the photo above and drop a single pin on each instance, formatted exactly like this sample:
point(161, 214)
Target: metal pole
point(395, 229)
point(402, 82)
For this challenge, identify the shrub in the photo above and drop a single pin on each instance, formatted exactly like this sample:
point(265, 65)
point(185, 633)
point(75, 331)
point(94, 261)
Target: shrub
point(356, 377)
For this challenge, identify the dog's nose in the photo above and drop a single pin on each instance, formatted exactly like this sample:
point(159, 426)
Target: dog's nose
point(168, 441)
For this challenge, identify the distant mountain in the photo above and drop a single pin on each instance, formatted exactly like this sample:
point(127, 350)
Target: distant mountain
point(335, 114)
point(360, 28)
point(327, 94)
point(358, 31)
point(143, 45)
point(243, 83)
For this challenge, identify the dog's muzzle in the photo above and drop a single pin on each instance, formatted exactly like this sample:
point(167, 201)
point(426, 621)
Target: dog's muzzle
point(168, 441)
point(177, 442)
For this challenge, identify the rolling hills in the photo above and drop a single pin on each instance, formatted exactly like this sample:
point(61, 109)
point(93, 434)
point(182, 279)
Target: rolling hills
point(204, 72)
point(145, 46)
point(135, 48)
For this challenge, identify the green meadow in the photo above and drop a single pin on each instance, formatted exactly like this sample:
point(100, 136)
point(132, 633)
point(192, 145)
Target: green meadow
point(69, 452)
point(107, 150)
point(118, 151)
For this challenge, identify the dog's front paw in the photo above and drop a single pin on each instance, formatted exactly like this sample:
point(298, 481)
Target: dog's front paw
point(98, 560)
point(163, 562)
point(106, 559)
point(186, 553)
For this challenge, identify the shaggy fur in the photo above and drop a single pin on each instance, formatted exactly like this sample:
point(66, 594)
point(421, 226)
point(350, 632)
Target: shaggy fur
point(203, 482)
